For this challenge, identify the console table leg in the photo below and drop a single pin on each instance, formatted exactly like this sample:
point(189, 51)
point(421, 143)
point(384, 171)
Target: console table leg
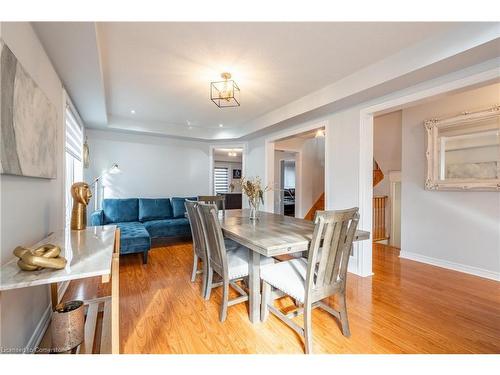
point(53, 295)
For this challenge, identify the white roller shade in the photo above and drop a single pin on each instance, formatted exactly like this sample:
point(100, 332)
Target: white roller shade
point(221, 180)
point(74, 134)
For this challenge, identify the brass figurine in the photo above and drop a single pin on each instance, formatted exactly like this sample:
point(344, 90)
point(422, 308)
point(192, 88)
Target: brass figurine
point(80, 191)
point(46, 256)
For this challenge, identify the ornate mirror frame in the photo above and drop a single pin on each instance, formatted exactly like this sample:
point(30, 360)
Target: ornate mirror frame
point(432, 128)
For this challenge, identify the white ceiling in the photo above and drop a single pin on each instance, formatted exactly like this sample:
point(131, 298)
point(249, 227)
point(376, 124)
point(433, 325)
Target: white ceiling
point(162, 71)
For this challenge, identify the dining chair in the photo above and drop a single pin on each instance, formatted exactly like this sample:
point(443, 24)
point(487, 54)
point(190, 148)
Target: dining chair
point(218, 200)
point(199, 245)
point(321, 275)
point(231, 266)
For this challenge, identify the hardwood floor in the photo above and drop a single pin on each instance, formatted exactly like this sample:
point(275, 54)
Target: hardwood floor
point(406, 307)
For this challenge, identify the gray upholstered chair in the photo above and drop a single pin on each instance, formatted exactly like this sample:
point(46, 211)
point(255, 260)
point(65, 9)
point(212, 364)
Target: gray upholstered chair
point(321, 275)
point(231, 266)
point(200, 247)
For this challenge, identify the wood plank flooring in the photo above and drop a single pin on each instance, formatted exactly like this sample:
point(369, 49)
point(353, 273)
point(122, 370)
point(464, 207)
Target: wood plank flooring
point(406, 307)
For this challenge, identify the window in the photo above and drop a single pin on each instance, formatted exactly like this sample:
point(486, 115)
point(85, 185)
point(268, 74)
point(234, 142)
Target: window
point(73, 154)
point(221, 180)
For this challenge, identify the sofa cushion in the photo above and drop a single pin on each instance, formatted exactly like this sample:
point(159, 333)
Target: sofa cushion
point(154, 209)
point(168, 227)
point(120, 210)
point(178, 206)
point(134, 238)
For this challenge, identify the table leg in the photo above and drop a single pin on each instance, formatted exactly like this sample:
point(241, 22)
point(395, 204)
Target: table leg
point(254, 281)
point(53, 295)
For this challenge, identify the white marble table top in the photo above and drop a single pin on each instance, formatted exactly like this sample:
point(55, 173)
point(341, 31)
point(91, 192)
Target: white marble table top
point(88, 253)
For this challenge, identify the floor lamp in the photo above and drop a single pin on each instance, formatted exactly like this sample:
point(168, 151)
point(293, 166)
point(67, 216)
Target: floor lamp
point(112, 170)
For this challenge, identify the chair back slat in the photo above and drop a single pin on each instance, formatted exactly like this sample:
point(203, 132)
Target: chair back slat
point(340, 273)
point(324, 258)
point(337, 246)
point(212, 231)
point(335, 231)
point(199, 244)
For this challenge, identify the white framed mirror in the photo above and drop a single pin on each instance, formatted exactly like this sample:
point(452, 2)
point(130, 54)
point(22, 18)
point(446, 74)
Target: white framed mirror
point(463, 152)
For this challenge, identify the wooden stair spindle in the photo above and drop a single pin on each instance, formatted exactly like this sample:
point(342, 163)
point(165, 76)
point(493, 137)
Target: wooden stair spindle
point(379, 231)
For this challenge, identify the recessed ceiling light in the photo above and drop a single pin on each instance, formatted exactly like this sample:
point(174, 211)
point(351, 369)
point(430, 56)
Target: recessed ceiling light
point(132, 111)
point(221, 125)
point(320, 133)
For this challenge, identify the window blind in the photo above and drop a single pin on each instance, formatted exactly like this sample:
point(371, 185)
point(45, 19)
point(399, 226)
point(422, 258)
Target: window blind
point(74, 134)
point(221, 180)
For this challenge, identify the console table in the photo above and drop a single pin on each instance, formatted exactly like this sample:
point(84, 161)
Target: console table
point(89, 253)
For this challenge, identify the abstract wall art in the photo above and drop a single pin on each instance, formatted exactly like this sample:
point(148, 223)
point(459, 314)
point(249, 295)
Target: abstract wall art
point(28, 122)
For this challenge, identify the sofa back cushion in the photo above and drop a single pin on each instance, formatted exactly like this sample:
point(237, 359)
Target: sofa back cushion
point(154, 209)
point(120, 210)
point(178, 206)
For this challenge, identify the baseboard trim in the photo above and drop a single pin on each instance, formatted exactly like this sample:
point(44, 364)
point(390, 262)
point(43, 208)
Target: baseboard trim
point(43, 324)
point(487, 274)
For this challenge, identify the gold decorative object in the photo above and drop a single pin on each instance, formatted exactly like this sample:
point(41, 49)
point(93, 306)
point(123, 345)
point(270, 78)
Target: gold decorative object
point(68, 321)
point(80, 191)
point(46, 256)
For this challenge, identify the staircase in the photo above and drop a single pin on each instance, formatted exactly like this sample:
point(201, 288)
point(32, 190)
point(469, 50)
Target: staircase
point(319, 205)
point(378, 175)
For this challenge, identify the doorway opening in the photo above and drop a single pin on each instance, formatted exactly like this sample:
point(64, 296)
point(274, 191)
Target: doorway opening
point(387, 160)
point(296, 170)
point(226, 166)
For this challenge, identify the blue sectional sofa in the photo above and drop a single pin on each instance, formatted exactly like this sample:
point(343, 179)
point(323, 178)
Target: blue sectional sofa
point(141, 219)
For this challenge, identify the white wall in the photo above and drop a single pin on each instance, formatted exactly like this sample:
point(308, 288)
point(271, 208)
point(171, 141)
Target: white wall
point(151, 166)
point(387, 147)
point(457, 227)
point(312, 174)
point(30, 207)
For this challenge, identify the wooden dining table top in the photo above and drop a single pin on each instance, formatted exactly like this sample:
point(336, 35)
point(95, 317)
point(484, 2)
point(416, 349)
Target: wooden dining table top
point(272, 234)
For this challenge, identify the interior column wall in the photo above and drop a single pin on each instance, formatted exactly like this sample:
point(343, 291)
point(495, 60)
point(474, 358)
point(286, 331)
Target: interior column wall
point(30, 207)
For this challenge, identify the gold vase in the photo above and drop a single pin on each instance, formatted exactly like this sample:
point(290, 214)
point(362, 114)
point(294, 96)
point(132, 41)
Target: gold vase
point(80, 191)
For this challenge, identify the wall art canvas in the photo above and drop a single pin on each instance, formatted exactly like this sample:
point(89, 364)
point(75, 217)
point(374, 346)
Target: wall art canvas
point(28, 122)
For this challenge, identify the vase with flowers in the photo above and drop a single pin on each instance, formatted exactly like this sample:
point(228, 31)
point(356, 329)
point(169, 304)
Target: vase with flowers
point(255, 193)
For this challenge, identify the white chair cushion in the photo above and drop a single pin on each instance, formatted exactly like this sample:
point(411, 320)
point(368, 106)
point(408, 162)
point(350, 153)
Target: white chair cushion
point(237, 261)
point(289, 277)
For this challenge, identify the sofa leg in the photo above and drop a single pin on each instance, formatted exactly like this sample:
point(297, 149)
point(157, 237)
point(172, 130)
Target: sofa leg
point(145, 257)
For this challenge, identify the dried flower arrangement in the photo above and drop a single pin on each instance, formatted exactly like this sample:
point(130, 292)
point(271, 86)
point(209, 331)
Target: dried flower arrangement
point(255, 193)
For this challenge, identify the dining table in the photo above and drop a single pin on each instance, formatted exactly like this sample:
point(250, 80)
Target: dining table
point(270, 235)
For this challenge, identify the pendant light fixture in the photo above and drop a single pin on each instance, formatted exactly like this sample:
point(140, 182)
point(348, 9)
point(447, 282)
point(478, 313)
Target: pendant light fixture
point(225, 93)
